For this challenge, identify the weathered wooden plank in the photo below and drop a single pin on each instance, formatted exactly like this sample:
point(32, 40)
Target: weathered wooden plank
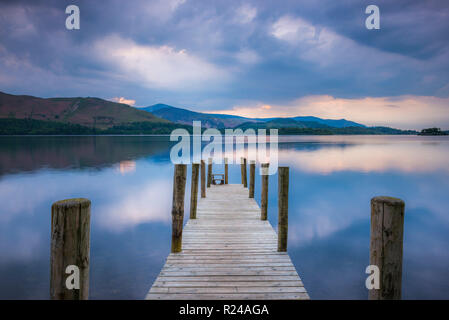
point(228, 296)
point(234, 289)
point(202, 284)
point(237, 278)
point(227, 265)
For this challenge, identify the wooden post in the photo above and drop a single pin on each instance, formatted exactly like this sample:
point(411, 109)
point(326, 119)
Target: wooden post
point(245, 174)
point(209, 172)
point(241, 169)
point(264, 197)
point(387, 229)
point(252, 174)
point(226, 170)
point(283, 208)
point(203, 179)
point(177, 213)
point(70, 246)
point(194, 190)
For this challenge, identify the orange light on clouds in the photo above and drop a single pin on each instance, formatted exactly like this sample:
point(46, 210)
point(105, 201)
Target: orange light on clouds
point(130, 102)
point(127, 166)
point(405, 112)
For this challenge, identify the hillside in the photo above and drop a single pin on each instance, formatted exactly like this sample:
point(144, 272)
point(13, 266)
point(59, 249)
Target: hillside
point(36, 116)
point(341, 123)
point(277, 123)
point(307, 129)
point(184, 116)
point(87, 112)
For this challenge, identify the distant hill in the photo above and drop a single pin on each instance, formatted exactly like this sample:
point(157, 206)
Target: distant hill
point(20, 114)
point(341, 123)
point(433, 132)
point(276, 123)
point(87, 112)
point(184, 116)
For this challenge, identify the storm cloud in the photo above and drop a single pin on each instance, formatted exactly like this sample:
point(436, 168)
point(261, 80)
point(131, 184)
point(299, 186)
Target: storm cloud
point(225, 55)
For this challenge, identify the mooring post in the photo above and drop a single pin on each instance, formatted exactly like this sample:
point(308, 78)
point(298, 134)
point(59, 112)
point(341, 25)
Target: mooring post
point(241, 169)
point(245, 174)
point(194, 190)
point(252, 174)
point(203, 179)
point(264, 196)
point(226, 170)
point(283, 208)
point(387, 230)
point(177, 213)
point(209, 172)
point(70, 247)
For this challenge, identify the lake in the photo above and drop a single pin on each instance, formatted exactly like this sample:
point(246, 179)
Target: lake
point(129, 181)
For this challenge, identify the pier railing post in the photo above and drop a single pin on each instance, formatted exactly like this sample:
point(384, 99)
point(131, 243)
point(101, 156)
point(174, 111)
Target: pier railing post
point(177, 213)
point(242, 172)
point(70, 249)
point(209, 172)
point(387, 229)
point(245, 174)
point(203, 179)
point(283, 208)
point(194, 190)
point(226, 170)
point(252, 174)
point(264, 195)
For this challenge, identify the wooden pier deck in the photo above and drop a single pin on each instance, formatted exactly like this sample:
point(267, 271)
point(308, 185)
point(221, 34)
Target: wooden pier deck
point(228, 253)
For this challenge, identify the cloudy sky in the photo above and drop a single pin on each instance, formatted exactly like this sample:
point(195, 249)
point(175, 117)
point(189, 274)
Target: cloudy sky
point(252, 58)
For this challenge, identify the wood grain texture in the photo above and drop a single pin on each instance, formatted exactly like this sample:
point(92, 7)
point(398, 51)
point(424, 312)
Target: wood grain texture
point(252, 176)
point(228, 252)
point(245, 173)
point(264, 195)
point(242, 170)
point(226, 170)
point(283, 208)
point(70, 245)
point(177, 213)
point(209, 172)
point(194, 190)
point(386, 243)
point(203, 179)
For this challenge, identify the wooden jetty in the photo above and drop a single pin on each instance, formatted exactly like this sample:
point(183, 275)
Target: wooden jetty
point(228, 252)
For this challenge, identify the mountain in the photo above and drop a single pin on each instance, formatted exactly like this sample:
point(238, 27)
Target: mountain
point(315, 128)
point(87, 112)
point(276, 123)
point(341, 123)
point(184, 116)
point(20, 114)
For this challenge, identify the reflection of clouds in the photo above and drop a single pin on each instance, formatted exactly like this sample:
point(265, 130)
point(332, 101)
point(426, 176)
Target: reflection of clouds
point(341, 200)
point(22, 245)
point(31, 195)
point(320, 219)
point(405, 157)
point(149, 203)
point(21, 196)
point(126, 166)
point(119, 202)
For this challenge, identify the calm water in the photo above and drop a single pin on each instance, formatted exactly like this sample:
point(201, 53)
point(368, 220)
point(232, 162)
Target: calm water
point(129, 181)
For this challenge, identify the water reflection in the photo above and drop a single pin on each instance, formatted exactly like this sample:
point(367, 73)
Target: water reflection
point(20, 154)
point(129, 181)
point(127, 166)
point(404, 157)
